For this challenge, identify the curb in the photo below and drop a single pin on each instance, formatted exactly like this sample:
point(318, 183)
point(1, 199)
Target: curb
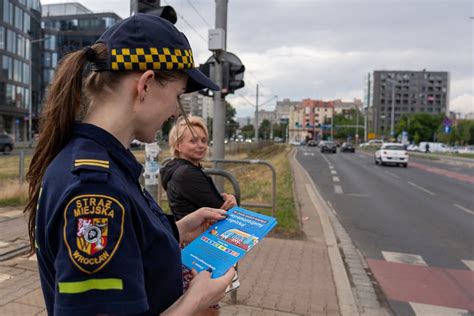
point(347, 302)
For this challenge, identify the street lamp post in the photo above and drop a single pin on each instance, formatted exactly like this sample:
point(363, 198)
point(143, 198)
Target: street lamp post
point(392, 115)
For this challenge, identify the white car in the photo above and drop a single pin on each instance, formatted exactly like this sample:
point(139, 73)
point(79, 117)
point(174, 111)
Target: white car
point(392, 153)
point(413, 148)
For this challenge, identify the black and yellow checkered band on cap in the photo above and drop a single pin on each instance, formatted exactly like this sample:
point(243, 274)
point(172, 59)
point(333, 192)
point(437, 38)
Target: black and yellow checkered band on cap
point(151, 59)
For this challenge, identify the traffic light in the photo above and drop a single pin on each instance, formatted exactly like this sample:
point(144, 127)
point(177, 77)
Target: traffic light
point(207, 69)
point(153, 7)
point(233, 77)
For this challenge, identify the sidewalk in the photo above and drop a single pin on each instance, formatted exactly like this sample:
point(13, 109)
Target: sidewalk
point(279, 277)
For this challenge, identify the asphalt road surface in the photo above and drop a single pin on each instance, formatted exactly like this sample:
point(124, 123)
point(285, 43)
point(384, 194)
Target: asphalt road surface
point(415, 226)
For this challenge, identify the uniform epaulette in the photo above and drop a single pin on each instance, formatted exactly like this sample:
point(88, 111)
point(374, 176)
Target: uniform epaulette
point(91, 162)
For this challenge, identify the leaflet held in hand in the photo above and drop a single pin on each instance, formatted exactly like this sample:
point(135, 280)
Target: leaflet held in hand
point(226, 242)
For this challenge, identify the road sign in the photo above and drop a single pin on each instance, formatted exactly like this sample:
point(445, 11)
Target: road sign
point(447, 121)
point(447, 129)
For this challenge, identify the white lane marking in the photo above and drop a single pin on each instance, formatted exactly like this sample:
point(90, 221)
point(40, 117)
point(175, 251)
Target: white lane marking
point(331, 167)
point(11, 214)
point(333, 171)
point(434, 310)
point(3, 244)
point(358, 194)
point(403, 258)
point(361, 156)
point(4, 277)
point(464, 209)
point(393, 174)
point(308, 154)
point(469, 264)
point(338, 189)
point(421, 188)
point(335, 179)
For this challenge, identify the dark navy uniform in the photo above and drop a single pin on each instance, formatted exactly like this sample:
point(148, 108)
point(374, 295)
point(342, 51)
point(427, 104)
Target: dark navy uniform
point(103, 245)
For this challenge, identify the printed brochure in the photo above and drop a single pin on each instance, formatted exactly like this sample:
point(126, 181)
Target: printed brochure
point(227, 241)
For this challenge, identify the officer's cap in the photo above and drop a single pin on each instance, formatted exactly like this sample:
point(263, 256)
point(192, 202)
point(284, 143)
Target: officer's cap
point(147, 42)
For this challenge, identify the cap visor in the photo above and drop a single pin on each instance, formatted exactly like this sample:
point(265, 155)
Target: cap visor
point(198, 81)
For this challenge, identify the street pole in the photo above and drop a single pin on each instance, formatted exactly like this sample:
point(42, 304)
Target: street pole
point(218, 122)
point(256, 117)
point(366, 110)
point(357, 128)
point(392, 115)
point(332, 127)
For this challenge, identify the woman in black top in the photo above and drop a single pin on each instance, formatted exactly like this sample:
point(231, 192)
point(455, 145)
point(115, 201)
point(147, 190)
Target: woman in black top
point(187, 186)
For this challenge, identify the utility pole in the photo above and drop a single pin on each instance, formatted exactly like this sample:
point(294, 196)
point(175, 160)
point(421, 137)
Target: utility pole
point(256, 117)
point(218, 122)
point(392, 115)
point(357, 128)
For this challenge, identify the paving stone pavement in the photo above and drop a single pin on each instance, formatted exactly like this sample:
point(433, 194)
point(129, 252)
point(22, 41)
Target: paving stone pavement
point(279, 277)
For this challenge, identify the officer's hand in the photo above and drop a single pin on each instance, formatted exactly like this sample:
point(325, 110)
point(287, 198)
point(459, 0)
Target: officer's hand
point(229, 201)
point(194, 224)
point(202, 293)
point(210, 291)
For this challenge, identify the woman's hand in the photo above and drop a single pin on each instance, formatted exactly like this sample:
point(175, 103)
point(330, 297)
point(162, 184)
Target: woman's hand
point(202, 293)
point(229, 201)
point(194, 224)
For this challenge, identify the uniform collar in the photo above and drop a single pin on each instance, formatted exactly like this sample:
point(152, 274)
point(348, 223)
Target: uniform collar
point(115, 148)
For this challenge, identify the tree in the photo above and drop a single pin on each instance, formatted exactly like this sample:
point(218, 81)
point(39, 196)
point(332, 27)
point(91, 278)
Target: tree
point(248, 131)
point(231, 125)
point(424, 124)
point(264, 129)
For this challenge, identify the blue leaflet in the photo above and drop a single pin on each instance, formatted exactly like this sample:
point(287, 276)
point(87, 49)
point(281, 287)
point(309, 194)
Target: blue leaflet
point(227, 241)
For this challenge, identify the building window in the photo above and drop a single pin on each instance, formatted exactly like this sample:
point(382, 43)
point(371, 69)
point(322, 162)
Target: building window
point(2, 37)
point(18, 18)
point(7, 67)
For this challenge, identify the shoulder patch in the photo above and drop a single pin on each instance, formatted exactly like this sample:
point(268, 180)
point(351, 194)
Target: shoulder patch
point(93, 230)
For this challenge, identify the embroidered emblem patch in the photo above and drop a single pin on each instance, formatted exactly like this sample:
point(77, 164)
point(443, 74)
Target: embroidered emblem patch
point(93, 229)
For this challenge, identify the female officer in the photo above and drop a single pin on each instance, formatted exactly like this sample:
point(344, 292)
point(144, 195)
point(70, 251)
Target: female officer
point(103, 245)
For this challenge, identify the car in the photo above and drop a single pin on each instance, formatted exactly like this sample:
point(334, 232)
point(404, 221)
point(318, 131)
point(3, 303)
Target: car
point(413, 148)
point(137, 144)
point(312, 143)
point(328, 146)
point(391, 153)
point(6, 144)
point(466, 150)
point(347, 147)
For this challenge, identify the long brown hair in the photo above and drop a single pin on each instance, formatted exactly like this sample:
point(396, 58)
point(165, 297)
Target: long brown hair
point(65, 102)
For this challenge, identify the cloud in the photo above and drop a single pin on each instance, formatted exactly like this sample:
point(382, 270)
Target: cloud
point(324, 48)
point(463, 103)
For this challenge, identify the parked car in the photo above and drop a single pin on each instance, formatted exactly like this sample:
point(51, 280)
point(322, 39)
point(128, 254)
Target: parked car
point(413, 148)
point(312, 143)
point(434, 147)
point(328, 146)
point(466, 150)
point(6, 144)
point(137, 144)
point(372, 143)
point(392, 153)
point(347, 147)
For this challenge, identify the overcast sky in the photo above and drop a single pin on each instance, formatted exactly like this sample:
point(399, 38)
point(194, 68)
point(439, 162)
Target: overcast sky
point(323, 49)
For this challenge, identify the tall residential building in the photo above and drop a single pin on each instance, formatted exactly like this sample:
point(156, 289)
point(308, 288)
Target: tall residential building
point(265, 115)
point(69, 27)
point(408, 92)
point(283, 110)
point(311, 119)
point(20, 55)
point(198, 105)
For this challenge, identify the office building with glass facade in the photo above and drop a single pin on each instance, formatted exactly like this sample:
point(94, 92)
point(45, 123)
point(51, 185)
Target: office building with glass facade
point(68, 27)
point(20, 57)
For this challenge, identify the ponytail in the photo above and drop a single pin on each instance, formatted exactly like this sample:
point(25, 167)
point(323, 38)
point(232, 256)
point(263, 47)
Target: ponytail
point(62, 104)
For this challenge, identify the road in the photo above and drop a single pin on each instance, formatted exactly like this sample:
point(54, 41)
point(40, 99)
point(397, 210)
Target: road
point(414, 226)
